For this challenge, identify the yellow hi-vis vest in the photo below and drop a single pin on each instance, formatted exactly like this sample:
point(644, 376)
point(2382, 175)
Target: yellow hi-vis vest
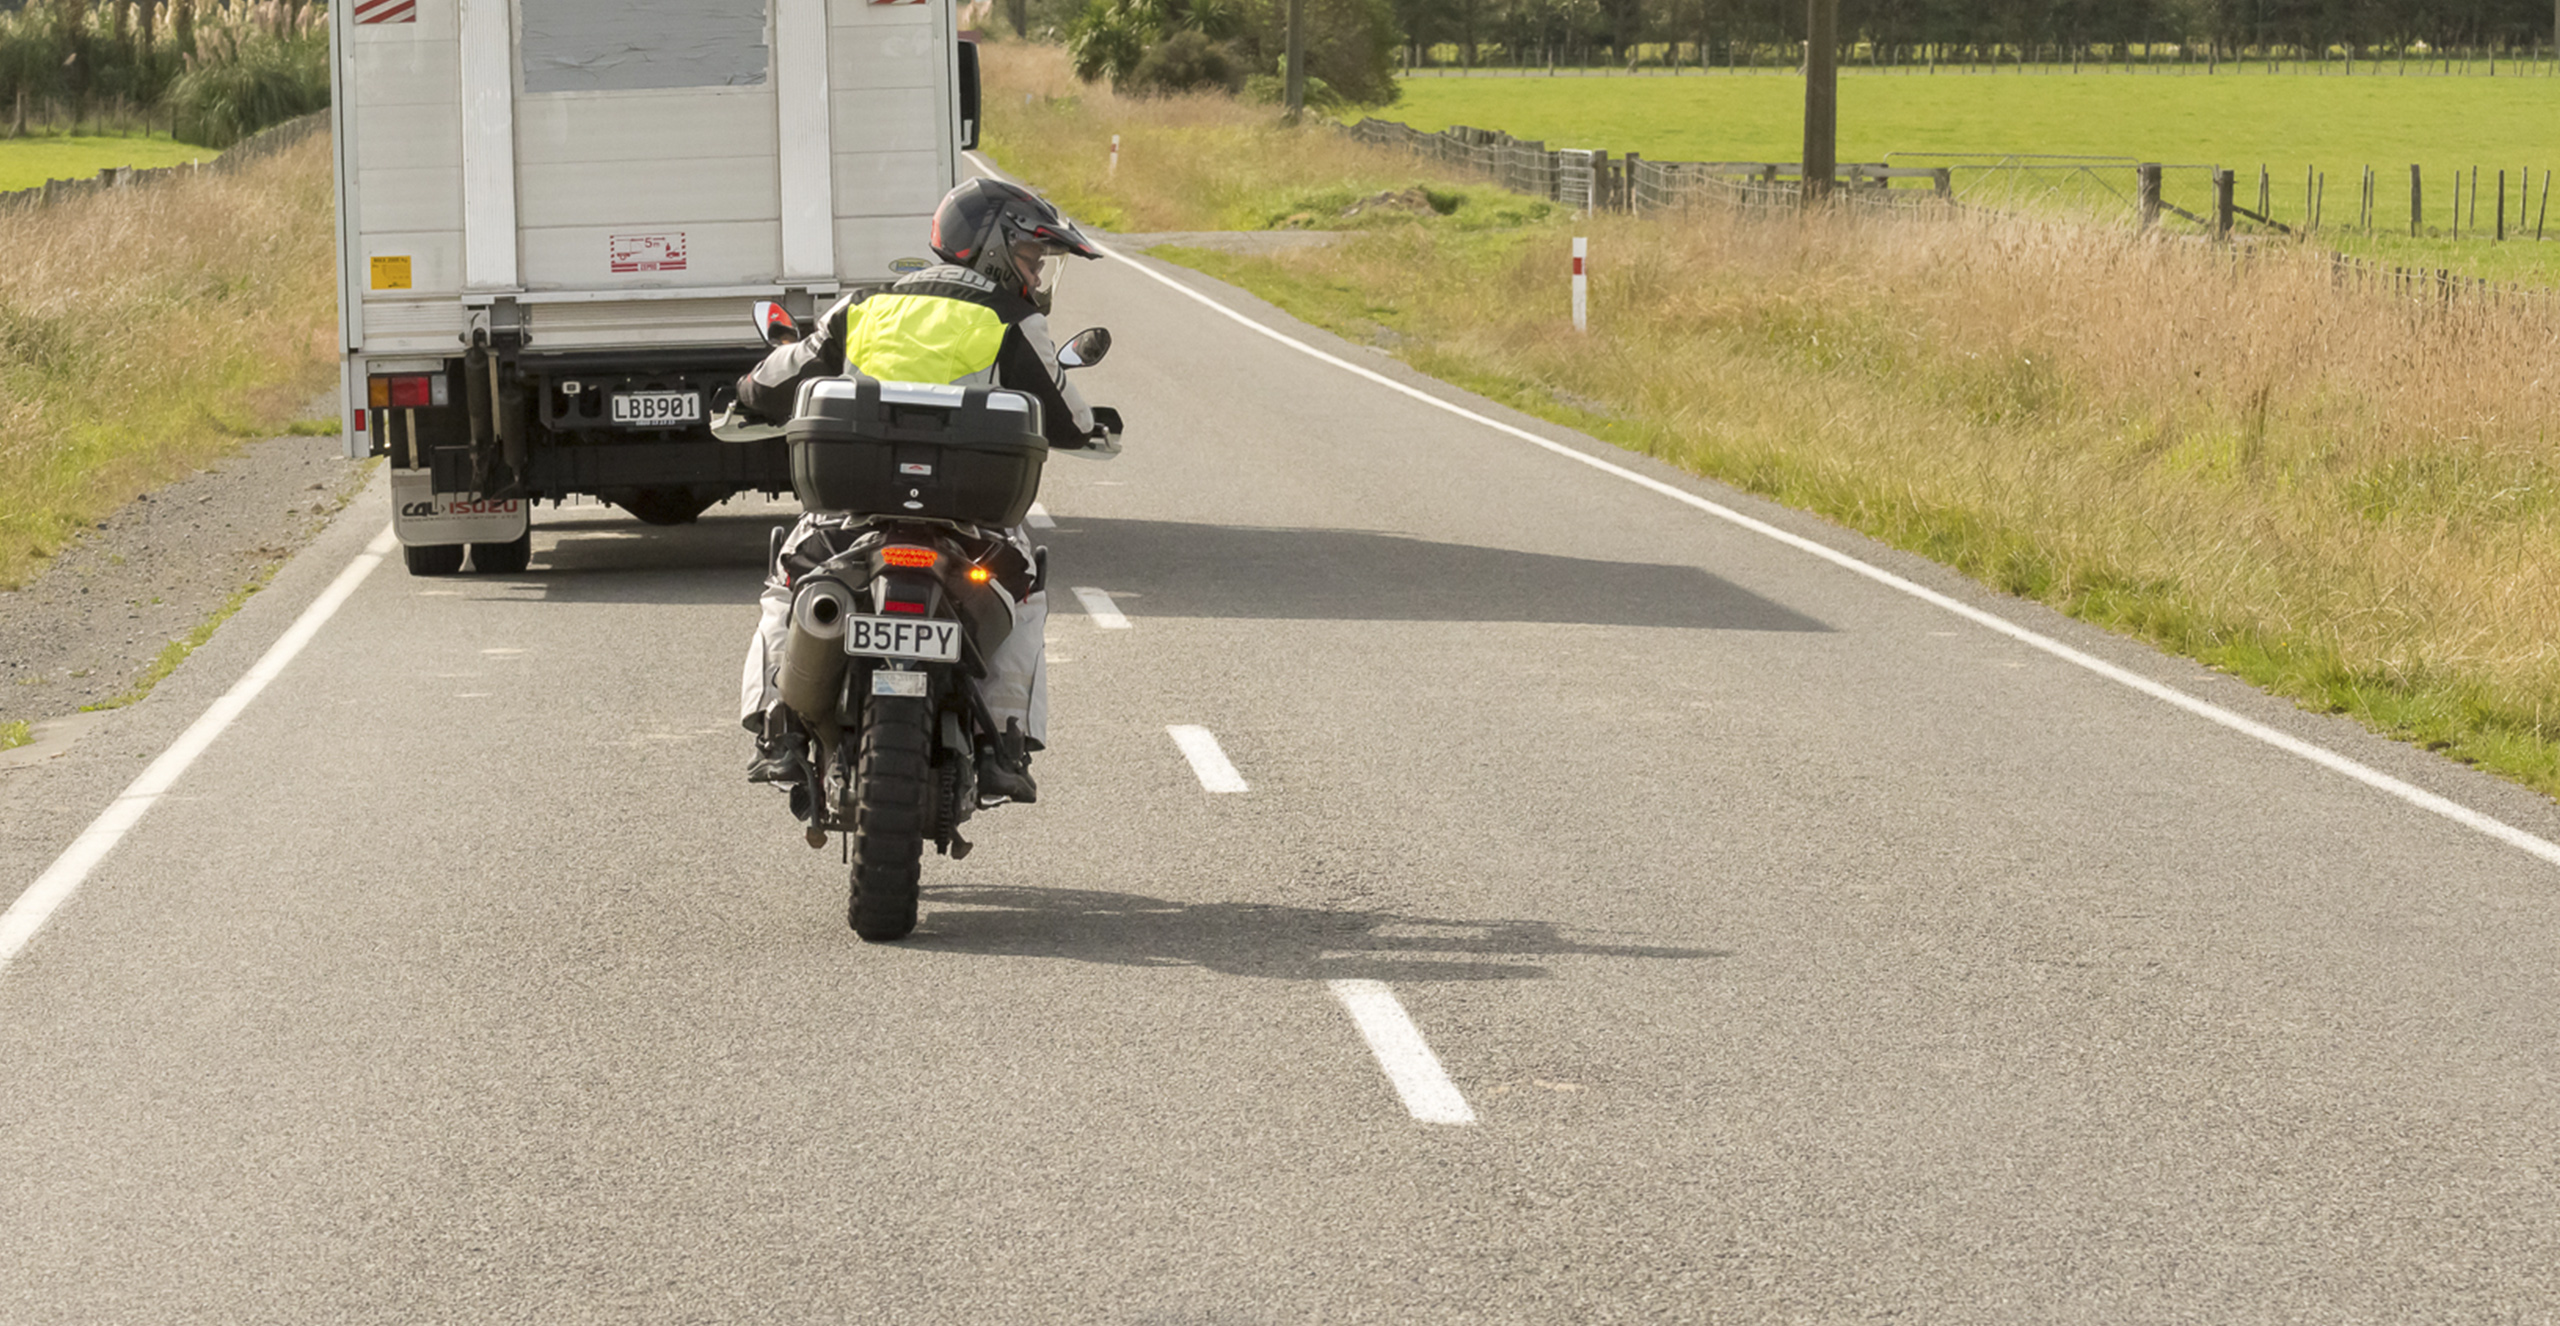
point(923, 338)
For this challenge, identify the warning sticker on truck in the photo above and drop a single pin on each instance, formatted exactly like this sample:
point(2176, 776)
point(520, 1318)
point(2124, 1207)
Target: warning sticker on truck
point(662, 252)
point(391, 271)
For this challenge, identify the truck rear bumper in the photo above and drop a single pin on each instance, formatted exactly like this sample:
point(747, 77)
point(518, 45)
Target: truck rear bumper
point(646, 477)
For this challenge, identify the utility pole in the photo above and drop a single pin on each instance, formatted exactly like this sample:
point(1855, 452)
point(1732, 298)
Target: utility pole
point(1822, 98)
point(1296, 99)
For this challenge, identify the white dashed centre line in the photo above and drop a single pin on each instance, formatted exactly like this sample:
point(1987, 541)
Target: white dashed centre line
point(1101, 609)
point(1040, 517)
point(1428, 1093)
point(1200, 746)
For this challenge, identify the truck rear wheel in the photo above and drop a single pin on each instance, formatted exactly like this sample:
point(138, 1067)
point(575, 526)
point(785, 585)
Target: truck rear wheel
point(893, 789)
point(503, 559)
point(432, 559)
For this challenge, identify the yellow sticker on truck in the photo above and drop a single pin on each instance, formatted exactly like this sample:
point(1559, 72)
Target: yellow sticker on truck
point(391, 271)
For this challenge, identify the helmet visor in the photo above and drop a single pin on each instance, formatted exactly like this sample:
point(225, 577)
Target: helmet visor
point(1039, 264)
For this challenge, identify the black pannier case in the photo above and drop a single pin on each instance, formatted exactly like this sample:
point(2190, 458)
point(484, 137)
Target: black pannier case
point(915, 449)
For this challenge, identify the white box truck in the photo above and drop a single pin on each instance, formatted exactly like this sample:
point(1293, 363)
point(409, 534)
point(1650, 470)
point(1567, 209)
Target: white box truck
point(554, 216)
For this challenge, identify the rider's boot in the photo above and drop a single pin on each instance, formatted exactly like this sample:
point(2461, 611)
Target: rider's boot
point(782, 750)
point(1004, 767)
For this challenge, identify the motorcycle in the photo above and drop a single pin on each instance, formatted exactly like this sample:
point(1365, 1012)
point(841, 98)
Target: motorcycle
point(889, 635)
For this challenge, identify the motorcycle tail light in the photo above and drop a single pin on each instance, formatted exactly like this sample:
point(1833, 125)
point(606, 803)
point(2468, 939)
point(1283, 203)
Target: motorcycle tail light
point(903, 556)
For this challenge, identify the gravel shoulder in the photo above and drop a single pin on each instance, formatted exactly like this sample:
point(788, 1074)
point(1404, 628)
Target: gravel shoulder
point(88, 627)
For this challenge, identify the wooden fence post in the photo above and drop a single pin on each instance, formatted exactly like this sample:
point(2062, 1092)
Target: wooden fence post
point(2415, 198)
point(2223, 181)
point(2149, 175)
point(1634, 165)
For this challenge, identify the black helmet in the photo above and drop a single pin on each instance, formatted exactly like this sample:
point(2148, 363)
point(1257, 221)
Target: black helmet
point(1007, 234)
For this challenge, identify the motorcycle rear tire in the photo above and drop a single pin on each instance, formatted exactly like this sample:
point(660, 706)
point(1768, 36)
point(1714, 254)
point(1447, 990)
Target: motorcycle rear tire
point(893, 793)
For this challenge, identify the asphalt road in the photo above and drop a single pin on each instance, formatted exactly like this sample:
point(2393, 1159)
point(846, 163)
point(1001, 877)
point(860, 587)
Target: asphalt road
point(1801, 950)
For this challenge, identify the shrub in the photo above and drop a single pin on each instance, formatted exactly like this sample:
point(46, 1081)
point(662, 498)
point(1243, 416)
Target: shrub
point(232, 68)
point(1273, 89)
point(1351, 44)
point(1187, 61)
point(248, 79)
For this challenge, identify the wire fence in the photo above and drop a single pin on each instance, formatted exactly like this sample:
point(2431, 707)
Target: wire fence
point(265, 142)
point(1594, 180)
point(2196, 200)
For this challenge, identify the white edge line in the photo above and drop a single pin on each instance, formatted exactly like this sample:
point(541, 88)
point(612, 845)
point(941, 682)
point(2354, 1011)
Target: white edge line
point(1199, 745)
point(1428, 1094)
point(2212, 713)
point(63, 878)
point(1101, 609)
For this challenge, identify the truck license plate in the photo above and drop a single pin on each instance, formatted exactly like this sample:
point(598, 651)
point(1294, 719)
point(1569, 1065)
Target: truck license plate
point(909, 637)
point(650, 408)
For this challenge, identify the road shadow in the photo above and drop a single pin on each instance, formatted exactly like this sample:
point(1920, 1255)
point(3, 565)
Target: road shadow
point(1268, 940)
point(606, 557)
point(1175, 569)
point(1178, 569)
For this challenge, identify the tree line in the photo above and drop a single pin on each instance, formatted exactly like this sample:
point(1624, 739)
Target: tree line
point(211, 71)
point(1893, 31)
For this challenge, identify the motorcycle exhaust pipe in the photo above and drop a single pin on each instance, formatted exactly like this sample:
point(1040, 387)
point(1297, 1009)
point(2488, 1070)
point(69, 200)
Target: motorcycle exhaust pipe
point(813, 660)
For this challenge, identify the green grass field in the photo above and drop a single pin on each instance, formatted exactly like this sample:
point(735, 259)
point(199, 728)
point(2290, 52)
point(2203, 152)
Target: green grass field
point(28, 162)
point(2285, 121)
point(2288, 123)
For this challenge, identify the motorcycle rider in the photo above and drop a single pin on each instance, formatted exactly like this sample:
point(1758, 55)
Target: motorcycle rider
point(980, 318)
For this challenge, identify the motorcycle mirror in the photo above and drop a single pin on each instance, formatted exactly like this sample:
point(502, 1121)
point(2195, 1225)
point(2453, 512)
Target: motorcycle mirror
point(775, 323)
point(1086, 348)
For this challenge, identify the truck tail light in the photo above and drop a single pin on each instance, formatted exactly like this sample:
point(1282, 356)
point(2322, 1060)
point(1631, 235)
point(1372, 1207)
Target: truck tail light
point(407, 390)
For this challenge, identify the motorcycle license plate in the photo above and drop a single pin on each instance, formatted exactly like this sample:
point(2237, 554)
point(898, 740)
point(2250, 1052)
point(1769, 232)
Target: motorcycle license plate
point(648, 409)
point(903, 637)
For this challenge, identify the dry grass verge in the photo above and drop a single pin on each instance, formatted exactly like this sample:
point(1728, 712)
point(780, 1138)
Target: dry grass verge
point(146, 331)
point(2348, 499)
point(1201, 162)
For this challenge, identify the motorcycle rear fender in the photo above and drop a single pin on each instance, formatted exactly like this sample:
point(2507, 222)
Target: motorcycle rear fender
point(904, 586)
point(984, 615)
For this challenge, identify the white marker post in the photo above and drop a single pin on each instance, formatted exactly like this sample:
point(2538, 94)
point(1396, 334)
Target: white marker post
point(1581, 288)
point(1115, 154)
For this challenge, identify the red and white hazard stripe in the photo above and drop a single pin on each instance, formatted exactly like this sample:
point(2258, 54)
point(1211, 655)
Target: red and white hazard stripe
point(386, 11)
